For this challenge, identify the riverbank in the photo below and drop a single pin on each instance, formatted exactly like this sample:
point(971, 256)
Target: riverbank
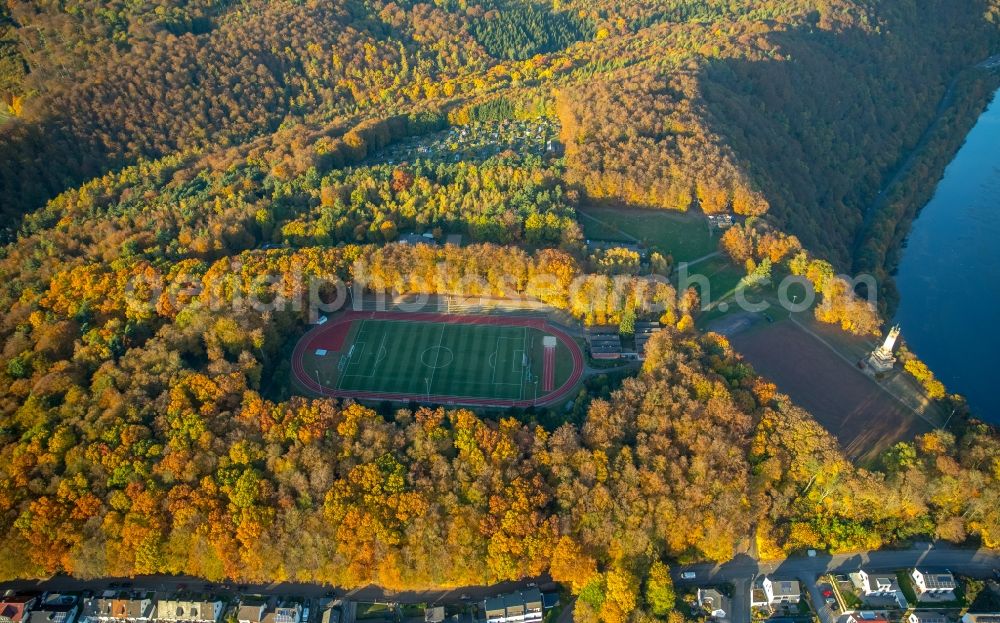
point(947, 277)
point(891, 214)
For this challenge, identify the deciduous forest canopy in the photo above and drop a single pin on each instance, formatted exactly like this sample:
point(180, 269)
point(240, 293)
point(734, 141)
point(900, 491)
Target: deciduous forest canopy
point(208, 139)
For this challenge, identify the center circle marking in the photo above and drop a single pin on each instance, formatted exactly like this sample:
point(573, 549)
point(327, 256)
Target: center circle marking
point(437, 357)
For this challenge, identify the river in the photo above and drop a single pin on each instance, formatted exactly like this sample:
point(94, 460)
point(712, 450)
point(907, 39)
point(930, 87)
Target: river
point(949, 273)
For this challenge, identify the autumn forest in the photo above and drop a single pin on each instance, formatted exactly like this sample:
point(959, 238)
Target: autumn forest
point(214, 143)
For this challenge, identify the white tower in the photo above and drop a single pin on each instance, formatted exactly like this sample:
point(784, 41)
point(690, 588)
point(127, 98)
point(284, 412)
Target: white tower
point(881, 360)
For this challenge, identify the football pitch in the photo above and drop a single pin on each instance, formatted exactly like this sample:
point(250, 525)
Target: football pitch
point(433, 358)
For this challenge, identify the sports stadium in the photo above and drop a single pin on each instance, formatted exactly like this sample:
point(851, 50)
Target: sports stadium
point(499, 361)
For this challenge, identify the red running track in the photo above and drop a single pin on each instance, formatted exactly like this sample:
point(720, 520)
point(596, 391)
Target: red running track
point(549, 369)
point(331, 336)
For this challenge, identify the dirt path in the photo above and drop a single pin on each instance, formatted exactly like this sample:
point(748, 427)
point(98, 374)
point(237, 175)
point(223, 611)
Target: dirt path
point(607, 225)
point(703, 258)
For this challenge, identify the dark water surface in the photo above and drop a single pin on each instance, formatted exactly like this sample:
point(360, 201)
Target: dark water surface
point(949, 273)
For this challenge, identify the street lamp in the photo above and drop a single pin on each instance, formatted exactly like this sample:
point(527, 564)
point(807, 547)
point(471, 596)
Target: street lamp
point(945, 427)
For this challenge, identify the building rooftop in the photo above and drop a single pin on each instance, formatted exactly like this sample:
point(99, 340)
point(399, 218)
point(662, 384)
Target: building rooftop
point(786, 587)
point(941, 579)
point(13, 608)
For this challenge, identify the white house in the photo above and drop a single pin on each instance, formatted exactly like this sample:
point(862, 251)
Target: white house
point(866, 617)
point(878, 586)
point(185, 611)
point(938, 586)
point(770, 592)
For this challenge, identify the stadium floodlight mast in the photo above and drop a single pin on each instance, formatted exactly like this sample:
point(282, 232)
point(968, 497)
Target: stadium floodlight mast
point(319, 382)
point(428, 381)
point(535, 401)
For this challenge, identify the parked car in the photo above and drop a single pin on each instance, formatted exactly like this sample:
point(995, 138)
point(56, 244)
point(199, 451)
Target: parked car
point(689, 575)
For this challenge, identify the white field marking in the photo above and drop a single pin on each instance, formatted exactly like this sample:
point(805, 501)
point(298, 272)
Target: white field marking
point(378, 356)
point(437, 359)
point(350, 361)
point(524, 368)
point(430, 383)
point(356, 354)
point(496, 359)
point(498, 363)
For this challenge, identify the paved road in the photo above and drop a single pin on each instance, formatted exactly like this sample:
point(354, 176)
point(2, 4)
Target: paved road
point(971, 562)
point(741, 599)
point(740, 571)
point(166, 583)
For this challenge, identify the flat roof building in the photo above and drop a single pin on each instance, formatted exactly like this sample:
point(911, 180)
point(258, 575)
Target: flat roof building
point(518, 607)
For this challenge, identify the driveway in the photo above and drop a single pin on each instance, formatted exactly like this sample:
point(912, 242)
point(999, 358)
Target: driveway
point(811, 580)
point(741, 601)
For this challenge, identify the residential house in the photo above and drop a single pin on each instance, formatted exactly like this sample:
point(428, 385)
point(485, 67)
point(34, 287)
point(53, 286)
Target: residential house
point(14, 609)
point(188, 611)
point(878, 587)
point(517, 607)
point(251, 611)
point(259, 611)
point(720, 221)
point(714, 603)
point(865, 617)
point(110, 607)
point(54, 608)
point(769, 593)
point(981, 617)
point(926, 616)
point(288, 612)
point(939, 586)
